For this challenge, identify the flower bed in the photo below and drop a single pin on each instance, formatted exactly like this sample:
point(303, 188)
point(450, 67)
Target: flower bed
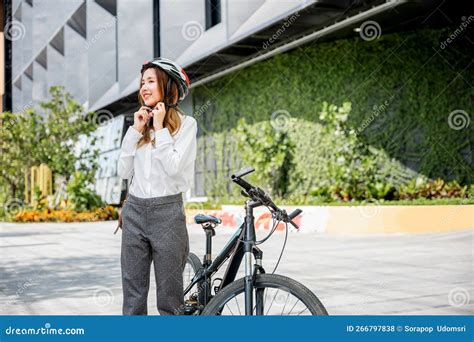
point(66, 215)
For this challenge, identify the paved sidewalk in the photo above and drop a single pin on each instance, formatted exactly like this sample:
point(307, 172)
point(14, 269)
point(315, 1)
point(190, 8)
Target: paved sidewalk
point(74, 269)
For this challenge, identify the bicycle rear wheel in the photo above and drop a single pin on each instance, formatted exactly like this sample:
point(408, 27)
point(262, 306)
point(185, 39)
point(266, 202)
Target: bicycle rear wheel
point(274, 294)
point(193, 265)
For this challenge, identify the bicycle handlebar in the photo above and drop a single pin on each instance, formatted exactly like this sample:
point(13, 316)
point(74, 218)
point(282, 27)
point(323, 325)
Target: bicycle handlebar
point(295, 213)
point(247, 187)
point(243, 172)
point(258, 194)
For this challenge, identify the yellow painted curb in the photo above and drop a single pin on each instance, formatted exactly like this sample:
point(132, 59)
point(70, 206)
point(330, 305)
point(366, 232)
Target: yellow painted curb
point(400, 219)
point(369, 219)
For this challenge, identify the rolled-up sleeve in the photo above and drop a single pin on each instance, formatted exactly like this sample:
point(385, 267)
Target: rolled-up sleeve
point(127, 153)
point(175, 155)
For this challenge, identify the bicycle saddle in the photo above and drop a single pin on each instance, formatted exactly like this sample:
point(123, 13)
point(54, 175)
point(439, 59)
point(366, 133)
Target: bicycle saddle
point(200, 218)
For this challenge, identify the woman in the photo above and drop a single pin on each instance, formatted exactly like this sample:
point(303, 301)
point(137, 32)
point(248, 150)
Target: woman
point(159, 152)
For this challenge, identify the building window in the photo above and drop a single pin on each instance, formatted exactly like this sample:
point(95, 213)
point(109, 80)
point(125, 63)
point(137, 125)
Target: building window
point(213, 13)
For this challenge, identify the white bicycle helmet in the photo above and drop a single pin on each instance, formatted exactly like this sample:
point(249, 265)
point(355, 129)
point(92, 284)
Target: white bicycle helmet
point(175, 72)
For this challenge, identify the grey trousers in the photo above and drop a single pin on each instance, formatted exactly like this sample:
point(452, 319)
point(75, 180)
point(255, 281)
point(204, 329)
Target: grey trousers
point(154, 229)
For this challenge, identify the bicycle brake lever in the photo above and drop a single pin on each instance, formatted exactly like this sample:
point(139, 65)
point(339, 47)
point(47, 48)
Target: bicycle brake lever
point(243, 193)
point(283, 216)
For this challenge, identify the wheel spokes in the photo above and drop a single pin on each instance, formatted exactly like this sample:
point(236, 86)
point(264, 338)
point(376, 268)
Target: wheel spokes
point(280, 302)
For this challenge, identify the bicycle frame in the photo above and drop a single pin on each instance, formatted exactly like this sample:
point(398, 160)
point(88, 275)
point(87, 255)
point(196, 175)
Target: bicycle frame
point(240, 246)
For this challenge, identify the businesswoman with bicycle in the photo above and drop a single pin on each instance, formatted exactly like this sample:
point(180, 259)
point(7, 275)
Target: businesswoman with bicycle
point(158, 154)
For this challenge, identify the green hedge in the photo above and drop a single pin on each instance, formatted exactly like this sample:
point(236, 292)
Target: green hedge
point(402, 87)
point(291, 170)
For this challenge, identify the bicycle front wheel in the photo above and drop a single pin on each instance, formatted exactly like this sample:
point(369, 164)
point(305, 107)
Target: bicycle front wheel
point(274, 295)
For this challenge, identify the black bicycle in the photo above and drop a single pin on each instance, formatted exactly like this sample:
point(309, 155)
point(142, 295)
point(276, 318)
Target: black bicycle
point(257, 293)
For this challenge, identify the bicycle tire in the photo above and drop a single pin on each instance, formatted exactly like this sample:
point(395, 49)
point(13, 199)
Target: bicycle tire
point(266, 281)
point(195, 263)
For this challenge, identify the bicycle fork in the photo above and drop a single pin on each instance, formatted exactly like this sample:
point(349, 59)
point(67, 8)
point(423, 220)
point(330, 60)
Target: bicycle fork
point(250, 271)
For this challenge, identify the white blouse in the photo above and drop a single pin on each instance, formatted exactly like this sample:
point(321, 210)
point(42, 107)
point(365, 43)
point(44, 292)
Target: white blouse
point(167, 168)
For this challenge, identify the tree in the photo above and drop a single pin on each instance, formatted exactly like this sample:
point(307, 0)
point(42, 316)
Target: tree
point(47, 135)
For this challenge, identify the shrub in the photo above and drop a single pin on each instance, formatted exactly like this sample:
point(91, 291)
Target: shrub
point(270, 151)
point(80, 195)
point(422, 187)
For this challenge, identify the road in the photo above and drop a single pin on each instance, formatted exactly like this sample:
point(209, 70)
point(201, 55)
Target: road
point(74, 269)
